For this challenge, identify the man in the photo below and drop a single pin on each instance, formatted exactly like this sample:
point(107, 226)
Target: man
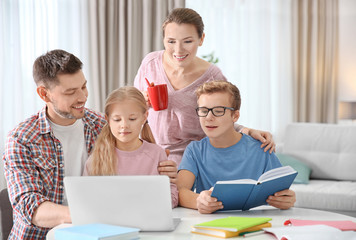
point(51, 144)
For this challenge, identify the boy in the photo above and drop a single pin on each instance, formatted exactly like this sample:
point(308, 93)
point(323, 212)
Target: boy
point(224, 154)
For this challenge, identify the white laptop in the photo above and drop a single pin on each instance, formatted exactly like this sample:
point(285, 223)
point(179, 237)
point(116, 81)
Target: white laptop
point(143, 202)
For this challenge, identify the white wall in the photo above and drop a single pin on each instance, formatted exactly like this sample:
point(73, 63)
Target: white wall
point(347, 50)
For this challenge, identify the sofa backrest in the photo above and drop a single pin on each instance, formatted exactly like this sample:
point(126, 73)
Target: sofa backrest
point(329, 149)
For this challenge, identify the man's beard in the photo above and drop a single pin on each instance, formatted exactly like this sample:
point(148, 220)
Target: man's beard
point(63, 114)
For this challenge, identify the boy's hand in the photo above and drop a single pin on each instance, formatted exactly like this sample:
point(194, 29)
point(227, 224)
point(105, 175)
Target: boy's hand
point(283, 200)
point(206, 203)
point(168, 168)
point(265, 138)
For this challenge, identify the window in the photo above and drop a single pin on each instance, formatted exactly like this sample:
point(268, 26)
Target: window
point(253, 43)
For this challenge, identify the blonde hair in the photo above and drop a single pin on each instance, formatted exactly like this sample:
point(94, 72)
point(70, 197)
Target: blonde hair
point(221, 87)
point(104, 156)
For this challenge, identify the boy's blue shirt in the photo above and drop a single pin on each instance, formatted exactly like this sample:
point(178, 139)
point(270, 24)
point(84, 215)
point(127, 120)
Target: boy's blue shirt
point(244, 160)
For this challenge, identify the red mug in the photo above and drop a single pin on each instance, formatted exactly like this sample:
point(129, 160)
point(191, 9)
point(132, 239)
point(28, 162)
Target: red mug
point(158, 95)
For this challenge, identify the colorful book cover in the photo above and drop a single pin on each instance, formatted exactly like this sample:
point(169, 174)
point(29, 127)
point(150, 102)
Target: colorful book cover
point(233, 224)
point(342, 225)
point(244, 194)
point(227, 234)
point(97, 232)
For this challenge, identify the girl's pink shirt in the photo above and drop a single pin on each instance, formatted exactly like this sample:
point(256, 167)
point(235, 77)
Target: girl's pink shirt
point(175, 127)
point(142, 161)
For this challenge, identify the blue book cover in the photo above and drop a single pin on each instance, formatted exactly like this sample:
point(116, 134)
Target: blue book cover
point(244, 194)
point(97, 231)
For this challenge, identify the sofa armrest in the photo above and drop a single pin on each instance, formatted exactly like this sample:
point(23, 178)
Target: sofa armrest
point(279, 147)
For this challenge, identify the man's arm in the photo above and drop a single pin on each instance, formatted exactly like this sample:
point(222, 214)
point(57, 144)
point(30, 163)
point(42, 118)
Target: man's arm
point(187, 198)
point(29, 173)
point(49, 215)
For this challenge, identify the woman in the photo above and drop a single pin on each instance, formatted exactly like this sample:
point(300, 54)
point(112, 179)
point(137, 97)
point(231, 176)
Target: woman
point(183, 72)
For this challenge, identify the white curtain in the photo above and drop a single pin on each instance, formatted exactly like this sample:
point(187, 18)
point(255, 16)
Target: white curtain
point(316, 60)
point(252, 40)
point(28, 29)
point(122, 32)
point(110, 37)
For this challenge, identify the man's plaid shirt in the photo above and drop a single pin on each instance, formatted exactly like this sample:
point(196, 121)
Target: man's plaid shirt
point(34, 168)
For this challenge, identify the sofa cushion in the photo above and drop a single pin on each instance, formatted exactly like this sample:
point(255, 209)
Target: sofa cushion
point(302, 169)
point(324, 194)
point(329, 149)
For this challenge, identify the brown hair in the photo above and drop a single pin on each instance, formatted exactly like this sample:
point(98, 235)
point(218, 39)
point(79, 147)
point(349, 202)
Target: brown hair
point(104, 157)
point(221, 87)
point(185, 15)
point(48, 66)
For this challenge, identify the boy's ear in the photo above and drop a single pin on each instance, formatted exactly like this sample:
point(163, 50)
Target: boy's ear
point(236, 115)
point(43, 93)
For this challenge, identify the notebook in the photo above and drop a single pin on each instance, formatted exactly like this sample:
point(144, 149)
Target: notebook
point(142, 202)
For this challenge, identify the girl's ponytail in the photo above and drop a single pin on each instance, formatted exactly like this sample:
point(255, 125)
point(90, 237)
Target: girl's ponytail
point(103, 158)
point(146, 133)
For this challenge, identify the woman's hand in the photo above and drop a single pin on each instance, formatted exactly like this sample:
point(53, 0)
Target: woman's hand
point(283, 200)
point(206, 203)
point(265, 138)
point(145, 94)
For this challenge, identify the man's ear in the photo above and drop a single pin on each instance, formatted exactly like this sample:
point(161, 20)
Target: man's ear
point(43, 93)
point(236, 115)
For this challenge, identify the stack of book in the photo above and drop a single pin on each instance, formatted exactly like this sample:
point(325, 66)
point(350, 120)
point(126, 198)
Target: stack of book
point(97, 231)
point(231, 226)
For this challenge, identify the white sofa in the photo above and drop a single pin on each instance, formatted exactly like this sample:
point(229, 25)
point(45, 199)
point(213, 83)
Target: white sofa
point(330, 151)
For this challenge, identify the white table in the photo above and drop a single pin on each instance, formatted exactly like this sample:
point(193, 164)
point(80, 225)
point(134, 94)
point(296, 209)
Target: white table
point(190, 217)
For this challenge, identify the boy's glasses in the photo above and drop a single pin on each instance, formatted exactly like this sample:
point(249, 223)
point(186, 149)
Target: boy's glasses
point(217, 111)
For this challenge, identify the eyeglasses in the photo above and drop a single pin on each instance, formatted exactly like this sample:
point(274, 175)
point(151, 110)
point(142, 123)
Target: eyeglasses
point(217, 111)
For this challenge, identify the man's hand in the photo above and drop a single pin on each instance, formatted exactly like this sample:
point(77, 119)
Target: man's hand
point(206, 203)
point(265, 138)
point(283, 200)
point(168, 168)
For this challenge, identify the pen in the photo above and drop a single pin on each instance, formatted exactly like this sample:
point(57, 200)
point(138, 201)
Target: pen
point(250, 234)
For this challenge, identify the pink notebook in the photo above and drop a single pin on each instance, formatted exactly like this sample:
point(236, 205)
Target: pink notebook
point(342, 225)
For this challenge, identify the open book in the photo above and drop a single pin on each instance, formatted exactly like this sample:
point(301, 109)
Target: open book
point(311, 232)
point(244, 194)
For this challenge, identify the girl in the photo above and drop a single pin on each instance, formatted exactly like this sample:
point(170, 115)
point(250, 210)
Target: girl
point(119, 150)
